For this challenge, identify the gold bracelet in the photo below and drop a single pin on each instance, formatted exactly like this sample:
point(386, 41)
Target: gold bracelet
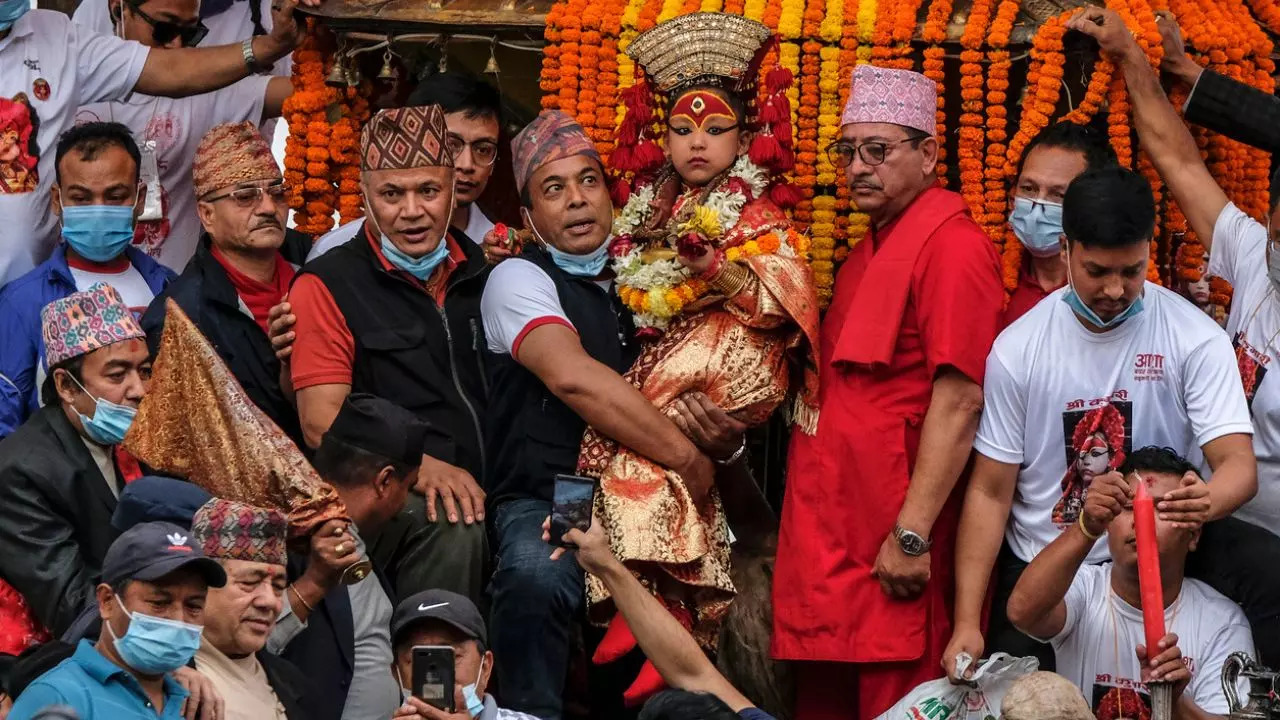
point(731, 279)
point(301, 599)
point(1085, 530)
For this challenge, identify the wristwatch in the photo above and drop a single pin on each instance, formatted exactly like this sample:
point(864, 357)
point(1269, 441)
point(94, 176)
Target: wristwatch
point(250, 59)
point(911, 543)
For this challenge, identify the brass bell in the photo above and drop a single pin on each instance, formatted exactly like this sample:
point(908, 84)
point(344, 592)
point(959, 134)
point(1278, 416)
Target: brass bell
point(443, 64)
point(491, 67)
point(353, 75)
point(337, 74)
point(388, 71)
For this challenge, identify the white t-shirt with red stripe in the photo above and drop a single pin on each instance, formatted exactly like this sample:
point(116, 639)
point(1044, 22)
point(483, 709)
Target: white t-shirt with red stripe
point(519, 297)
point(120, 274)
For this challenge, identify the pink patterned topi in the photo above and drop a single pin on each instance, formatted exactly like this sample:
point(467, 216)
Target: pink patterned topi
point(886, 95)
point(82, 322)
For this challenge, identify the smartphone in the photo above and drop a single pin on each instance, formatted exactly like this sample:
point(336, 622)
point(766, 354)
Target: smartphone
point(571, 506)
point(433, 676)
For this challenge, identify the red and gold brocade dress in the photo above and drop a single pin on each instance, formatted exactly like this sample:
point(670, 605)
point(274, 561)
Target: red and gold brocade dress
point(747, 350)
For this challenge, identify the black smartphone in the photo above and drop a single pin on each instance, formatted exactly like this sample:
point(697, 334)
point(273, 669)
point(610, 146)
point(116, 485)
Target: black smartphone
point(433, 676)
point(571, 506)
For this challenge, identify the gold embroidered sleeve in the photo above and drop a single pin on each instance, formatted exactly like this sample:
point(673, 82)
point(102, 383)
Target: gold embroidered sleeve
point(747, 299)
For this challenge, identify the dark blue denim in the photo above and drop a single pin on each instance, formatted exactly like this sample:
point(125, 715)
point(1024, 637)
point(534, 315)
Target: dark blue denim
point(536, 601)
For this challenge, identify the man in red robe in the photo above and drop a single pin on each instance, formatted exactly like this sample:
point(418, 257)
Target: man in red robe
point(863, 583)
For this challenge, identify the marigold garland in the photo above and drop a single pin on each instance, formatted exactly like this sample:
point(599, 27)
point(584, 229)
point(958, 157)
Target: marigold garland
point(585, 67)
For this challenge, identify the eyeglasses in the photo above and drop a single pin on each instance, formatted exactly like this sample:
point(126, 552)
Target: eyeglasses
point(872, 152)
point(251, 196)
point(164, 31)
point(483, 152)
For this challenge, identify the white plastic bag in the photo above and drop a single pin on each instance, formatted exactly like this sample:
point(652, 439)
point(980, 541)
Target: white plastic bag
point(979, 699)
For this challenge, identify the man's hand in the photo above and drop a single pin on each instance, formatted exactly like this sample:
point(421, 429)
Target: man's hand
point(1105, 26)
point(591, 547)
point(1175, 60)
point(498, 244)
point(714, 431)
point(204, 702)
point(415, 709)
point(963, 640)
point(285, 32)
point(1188, 506)
point(1105, 500)
point(280, 322)
point(1166, 666)
point(333, 549)
point(901, 575)
point(454, 486)
point(699, 474)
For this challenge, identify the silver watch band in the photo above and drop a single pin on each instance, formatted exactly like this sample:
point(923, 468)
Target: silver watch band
point(250, 59)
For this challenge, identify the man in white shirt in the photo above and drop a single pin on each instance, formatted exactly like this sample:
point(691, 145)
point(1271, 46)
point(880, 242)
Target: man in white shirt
point(49, 67)
point(1244, 253)
point(1093, 614)
point(472, 114)
point(1109, 363)
point(96, 198)
point(169, 129)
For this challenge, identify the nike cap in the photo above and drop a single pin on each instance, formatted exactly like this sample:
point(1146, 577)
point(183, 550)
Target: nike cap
point(447, 607)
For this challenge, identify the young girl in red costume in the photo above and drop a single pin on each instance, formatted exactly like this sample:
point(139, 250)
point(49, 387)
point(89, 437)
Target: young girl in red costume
point(717, 279)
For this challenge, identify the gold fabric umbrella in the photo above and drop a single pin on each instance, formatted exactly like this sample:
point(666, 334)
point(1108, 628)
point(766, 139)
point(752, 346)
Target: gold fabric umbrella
point(197, 423)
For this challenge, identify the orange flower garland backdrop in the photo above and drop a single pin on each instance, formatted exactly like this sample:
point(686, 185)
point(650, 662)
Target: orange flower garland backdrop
point(1011, 85)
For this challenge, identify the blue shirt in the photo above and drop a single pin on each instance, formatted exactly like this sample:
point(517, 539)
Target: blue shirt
point(97, 689)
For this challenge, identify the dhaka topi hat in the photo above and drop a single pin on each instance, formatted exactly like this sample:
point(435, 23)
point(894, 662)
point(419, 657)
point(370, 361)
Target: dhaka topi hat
point(84, 321)
point(405, 138)
point(230, 154)
point(551, 136)
point(230, 530)
point(889, 95)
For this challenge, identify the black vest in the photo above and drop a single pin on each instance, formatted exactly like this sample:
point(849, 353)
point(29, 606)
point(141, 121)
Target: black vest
point(532, 434)
point(425, 358)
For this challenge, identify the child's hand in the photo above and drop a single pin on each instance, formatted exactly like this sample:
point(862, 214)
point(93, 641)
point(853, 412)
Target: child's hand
point(695, 253)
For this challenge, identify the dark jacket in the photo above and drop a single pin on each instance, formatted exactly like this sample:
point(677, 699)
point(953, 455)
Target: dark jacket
point(206, 295)
point(533, 434)
point(427, 359)
point(1236, 110)
point(21, 343)
point(55, 517)
point(325, 650)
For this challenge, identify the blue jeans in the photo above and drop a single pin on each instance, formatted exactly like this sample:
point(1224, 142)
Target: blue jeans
point(536, 601)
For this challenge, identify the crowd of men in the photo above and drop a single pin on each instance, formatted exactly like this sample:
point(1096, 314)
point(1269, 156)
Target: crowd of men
point(971, 453)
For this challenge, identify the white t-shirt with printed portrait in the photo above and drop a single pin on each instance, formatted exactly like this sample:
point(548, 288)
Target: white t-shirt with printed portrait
point(176, 126)
point(48, 68)
point(1096, 649)
point(1066, 404)
point(1240, 257)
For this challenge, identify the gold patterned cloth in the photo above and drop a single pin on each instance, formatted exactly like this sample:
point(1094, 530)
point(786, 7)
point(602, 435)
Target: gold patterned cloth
point(747, 354)
point(197, 423)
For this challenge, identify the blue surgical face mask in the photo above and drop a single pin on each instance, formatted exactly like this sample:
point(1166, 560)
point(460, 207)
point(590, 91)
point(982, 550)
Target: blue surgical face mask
point(11, 10)
point(98, 232)
point(155, 646)
point(109, 422)
point(1073, 301)
point(588, 265)
point(475, 705)
point(421, 267)
point(1038, 225)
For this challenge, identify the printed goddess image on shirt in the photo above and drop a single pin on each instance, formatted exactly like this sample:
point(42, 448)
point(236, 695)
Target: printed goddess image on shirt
point(1119, 703)
point(1098, 438)
point(1252, 364)
point(18, 151)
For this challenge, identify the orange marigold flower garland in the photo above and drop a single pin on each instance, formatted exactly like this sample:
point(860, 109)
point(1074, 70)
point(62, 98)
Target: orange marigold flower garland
point(997, 122)
point(314, 198)
point(935, 33)
point(571, 57)
point(806, 149)
point(972, 136)
point(549, 79)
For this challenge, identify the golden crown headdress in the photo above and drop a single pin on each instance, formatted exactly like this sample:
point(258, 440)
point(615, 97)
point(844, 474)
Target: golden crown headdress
point(700, 47)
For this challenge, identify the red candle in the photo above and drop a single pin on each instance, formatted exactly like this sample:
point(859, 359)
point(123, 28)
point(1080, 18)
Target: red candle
point(1152, 591)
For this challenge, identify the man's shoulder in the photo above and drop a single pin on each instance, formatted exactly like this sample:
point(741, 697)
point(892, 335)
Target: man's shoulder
point(66, 683)
point(1018, 337)
point(45, 22)
point(29, 289)
point(1187, 325)
point(516, 272)
point(34, 443)
point(1210, 606)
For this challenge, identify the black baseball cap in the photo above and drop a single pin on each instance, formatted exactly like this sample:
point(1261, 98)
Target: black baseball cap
point(381, 427)
point(152, 550)
point(447, 607)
